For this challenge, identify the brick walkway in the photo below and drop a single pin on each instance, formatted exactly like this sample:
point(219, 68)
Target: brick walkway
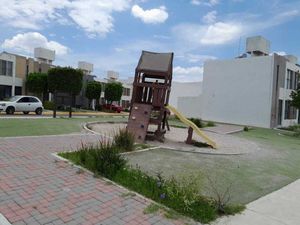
point(37, 189)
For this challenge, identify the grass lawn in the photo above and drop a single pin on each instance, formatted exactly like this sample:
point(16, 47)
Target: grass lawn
point(250, 176)
point(45, 126)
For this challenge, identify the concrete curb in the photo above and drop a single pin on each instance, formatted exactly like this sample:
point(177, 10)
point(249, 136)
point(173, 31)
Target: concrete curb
point(3, 220)
point(119, 186)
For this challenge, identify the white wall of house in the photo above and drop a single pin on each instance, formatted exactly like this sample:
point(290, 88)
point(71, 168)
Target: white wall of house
point(238, 91)
point(284, 95)
point(180, 89)
point(10, 80)
point(190, 106)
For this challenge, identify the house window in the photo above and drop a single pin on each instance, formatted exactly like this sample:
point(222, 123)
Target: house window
point(126, 91)
point(292, 80)
point(288, 79)
point(279, 112)
point(290, 112)
point(6, 68)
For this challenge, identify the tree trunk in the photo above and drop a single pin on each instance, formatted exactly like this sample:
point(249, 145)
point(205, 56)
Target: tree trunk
point(90, 103)
point(70, 108)
point(55, 106)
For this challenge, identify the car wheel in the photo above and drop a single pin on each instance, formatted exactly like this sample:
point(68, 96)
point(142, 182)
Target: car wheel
point(39, 111)
point(10, 110)
point(25, 112)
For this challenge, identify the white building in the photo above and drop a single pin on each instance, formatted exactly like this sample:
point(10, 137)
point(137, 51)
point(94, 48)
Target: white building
point(113, 76)
point(187, 89)
point(252, 90)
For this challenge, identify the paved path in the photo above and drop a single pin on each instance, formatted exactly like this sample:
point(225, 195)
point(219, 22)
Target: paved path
point(281, 207)
point(37, 189)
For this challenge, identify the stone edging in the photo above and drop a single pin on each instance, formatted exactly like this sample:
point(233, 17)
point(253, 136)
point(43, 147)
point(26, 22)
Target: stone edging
point(3, 220)
point(114, 183)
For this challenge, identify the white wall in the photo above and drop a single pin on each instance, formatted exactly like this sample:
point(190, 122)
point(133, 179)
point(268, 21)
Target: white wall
point(190, 106)
point(284, 95)
point(13, 80)
point(180, 89)
point(238, 91)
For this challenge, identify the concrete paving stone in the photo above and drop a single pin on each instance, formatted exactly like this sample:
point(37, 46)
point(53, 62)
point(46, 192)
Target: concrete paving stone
point(51, 191)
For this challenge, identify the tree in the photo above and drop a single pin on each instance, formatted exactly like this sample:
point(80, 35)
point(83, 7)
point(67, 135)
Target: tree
point(93, 91)
point(37, 83)
point(295, 95)
point(67, 80)
point(113, 92)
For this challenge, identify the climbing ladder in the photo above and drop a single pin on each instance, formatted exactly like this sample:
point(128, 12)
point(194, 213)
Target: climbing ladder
point(139, 121)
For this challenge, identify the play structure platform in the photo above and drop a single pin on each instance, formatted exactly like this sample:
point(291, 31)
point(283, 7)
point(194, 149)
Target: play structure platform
point(150, 98)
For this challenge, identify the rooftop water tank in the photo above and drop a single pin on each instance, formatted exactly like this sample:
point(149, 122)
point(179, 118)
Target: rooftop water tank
point(257, 46)
point(44, 55)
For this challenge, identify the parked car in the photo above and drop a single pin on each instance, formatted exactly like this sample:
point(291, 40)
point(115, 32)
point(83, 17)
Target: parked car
point(23, 104)
point(113, 107)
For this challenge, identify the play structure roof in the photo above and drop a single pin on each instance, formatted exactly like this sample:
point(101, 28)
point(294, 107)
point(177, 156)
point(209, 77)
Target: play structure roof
point(156, 62)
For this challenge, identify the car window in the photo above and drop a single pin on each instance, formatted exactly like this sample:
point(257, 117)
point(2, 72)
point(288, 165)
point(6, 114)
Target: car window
point(23, 100)
point(12, 99)
point(33, 100)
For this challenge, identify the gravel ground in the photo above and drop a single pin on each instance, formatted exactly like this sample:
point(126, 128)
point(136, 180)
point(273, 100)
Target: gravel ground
point(226, 144)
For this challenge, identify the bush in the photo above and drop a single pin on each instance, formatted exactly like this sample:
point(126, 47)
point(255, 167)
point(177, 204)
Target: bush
point(197, 122)
point(210, 124)
point(246, 128)
point(124, 140)
point(48, 105)
point(103, 159)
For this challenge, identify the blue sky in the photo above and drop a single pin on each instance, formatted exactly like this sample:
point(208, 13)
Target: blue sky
point(111, 33)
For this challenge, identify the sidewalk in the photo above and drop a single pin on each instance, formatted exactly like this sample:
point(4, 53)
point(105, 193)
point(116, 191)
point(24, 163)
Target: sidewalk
point(38, 189)
point(281, 207)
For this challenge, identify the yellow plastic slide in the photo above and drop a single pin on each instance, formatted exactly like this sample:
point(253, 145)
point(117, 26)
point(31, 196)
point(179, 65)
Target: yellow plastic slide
point(192, 125)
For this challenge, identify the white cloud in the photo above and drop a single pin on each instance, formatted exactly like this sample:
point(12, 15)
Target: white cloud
point(188, 74)
point(95, 17)
point(205, 2)
point(154, 16)
point(26, 42)
point(194, 58)
point(213, 34)
point(283, 53)
point(30, 14)
point(220, 33)
point(210, 17)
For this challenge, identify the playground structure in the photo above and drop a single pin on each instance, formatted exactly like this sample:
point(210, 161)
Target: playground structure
point(150, 98)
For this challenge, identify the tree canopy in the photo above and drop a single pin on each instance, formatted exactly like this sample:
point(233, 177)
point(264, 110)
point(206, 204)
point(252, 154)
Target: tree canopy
point(93, 90)
point(295, 95)
point(37, 83)
point(113, 92)
point(65, 79)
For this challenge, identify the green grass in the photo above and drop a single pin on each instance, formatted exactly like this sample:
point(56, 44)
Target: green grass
point(251, 175)
point(182, 197)
point(46, 126)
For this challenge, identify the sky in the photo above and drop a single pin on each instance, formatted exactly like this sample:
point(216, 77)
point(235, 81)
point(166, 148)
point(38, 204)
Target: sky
point(112, 33)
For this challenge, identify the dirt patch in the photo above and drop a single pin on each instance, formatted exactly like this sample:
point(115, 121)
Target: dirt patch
point(175, 139)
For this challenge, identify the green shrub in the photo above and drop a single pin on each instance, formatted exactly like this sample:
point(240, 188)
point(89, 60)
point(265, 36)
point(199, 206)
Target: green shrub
point(48, 105)
point(183, 197)
point(103, 159)
point(124, 140)
point(210, 124)
point(200, 144)
point(246, 128)
point(198, 122)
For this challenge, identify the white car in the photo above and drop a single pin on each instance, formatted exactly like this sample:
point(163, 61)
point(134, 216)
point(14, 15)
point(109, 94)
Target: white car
point(23, 104)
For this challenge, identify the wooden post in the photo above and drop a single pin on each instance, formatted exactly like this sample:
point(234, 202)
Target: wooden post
point(189, 139)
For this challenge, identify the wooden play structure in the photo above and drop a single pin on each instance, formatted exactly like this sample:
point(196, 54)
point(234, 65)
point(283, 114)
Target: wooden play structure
point(151, 91)
point(150, 98)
